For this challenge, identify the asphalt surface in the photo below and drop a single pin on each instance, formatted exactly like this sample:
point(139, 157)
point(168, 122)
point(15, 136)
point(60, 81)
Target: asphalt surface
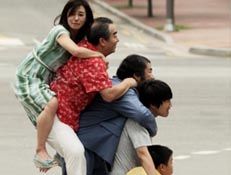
point(198, 128)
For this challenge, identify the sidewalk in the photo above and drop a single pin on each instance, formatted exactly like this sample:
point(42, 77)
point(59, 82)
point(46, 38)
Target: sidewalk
point(207, 23)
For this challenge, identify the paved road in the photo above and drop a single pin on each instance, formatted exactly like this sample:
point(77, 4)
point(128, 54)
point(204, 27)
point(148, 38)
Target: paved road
point(198, 128)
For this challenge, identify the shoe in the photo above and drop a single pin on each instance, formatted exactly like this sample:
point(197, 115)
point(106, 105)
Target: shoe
point(39, 163)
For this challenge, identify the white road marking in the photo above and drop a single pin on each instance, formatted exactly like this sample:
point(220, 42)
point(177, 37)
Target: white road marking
point(201, 153)
point(182, 157)
point(37, 42)
point(208, 152)
point(5, 41)
point(227, 149)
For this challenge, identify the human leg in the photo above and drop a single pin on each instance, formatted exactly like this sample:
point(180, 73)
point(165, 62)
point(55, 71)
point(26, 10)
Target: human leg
point(100, 166)
point(65, 141)
point(90, 158)
point(95, 164)
point(64, 171)
point(44, 124)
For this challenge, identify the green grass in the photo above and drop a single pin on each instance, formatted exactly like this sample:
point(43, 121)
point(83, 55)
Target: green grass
point(178, 27)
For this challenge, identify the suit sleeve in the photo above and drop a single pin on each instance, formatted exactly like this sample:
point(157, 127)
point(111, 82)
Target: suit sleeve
point(130, 107)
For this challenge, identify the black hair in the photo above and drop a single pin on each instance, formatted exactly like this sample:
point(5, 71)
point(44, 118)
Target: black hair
point(69, 9)
point(99, 29)
point(132, 65)
point(160, 154)
point(154, 92)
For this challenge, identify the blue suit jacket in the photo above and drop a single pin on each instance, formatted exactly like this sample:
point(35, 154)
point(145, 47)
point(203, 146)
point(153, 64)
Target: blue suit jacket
point(101, 123)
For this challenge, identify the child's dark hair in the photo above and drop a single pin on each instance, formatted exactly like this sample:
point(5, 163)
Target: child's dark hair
point(154, 92)
point(160, 154)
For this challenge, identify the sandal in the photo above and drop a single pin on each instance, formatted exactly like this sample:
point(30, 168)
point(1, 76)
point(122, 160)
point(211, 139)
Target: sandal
point(39, 163)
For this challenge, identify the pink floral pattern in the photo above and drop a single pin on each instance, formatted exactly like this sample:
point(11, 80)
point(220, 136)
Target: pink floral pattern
point(76, 84)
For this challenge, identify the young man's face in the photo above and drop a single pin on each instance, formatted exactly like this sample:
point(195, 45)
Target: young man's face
point(148, 72)
point(166, 169)
point(110, 44)
point(163, 110)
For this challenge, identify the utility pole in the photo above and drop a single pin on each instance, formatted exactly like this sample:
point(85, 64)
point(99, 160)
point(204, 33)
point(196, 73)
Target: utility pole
point(170, 19)
point(130, 3)
point(150, 14)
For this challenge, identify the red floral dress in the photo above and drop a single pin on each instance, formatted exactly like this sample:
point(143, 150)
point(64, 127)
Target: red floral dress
point(76, 84)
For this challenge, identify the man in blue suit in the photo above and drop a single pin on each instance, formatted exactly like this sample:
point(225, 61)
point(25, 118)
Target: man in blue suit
point(101, 123)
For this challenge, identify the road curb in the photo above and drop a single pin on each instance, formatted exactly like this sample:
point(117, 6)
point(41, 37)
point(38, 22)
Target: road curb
point(223, 52)
point(155, 33)
point(199, 50)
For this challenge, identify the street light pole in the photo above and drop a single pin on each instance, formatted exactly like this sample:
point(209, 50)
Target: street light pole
point(130, 3)
point(170, 21)
point(150, 14)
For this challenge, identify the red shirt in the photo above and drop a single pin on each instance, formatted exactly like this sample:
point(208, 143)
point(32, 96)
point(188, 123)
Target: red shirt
point(77, 83)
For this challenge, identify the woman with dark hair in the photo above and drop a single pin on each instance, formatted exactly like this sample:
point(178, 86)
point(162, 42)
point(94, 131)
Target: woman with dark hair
point(34, 73)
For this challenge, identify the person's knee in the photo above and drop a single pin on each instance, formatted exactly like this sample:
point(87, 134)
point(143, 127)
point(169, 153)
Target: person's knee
point(79, 152)
point(76, 152)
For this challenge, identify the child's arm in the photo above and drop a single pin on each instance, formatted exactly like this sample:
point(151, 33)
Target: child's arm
point(146, 160)
point(67, 43)
point(118, 90)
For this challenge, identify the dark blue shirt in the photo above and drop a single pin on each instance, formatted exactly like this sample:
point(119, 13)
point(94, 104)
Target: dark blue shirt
point(101, 124)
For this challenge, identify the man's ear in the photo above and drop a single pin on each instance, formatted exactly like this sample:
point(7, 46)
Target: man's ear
point(161, 168)
point(137, 78)
point(102, 42)
point(154, 110)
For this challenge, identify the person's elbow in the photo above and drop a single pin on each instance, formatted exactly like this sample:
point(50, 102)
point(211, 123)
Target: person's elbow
point(154, 132)
point(75, 53)
point(108, 97)
point(142, 152)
